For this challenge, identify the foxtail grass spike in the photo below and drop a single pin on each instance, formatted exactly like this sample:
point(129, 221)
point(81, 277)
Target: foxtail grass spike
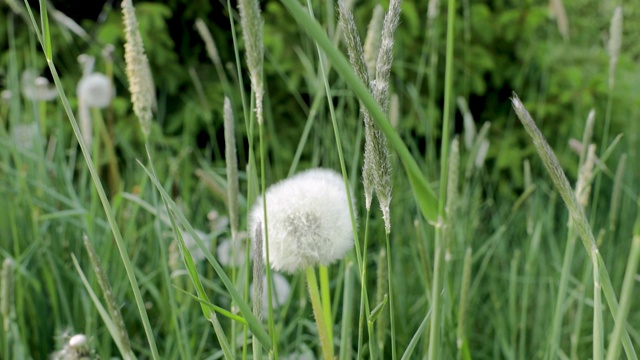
point(373, 39)
point(141, 83)
point(557, 175)
point(617, 193)
point(232, 167)
point(258, 271)
point(583, 186)
point(7, 310)
point(251, 24)
point(557, 10)
point(394, 110)
point(615, 43)
point(209, 43)
point(380, 89)
point(587, 135)
point(357, 59)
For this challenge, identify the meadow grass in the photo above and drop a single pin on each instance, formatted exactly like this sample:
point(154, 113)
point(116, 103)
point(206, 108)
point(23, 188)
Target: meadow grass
point(131, 254)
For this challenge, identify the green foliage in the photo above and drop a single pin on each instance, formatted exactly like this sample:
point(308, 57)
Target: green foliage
point(514, 237)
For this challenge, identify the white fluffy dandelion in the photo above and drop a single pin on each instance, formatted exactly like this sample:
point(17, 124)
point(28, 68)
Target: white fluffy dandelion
point(95, 90)
point(308, 220)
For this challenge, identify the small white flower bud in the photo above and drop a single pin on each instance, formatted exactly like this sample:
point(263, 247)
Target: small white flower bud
point(77, 341)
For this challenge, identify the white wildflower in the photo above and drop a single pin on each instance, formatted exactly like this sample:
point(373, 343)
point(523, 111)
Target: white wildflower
point(94, 90)
point(308, 220)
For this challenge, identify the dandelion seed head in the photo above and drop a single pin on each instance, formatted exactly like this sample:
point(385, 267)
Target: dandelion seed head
point(308, 220)
point(95, 91)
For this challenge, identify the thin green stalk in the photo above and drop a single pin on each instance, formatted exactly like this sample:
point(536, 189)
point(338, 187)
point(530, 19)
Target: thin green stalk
point(598, 326)
point(364, 298)
point(272, 328)
point(434, 335)
point(347, 309)
point(554, 339)
point(461, 337)
point(316, 303)
point(325, 295)
point(626, 294)
point(391, 303)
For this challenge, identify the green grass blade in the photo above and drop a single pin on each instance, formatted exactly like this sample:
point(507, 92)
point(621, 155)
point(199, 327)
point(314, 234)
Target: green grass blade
point(416, 337)
point(576, 213)
point(626, 295)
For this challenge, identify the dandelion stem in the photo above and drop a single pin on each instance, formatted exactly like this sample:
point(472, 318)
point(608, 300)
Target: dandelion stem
point(316, 303)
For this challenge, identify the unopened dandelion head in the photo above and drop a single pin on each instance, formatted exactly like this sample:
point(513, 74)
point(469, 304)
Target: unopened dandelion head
point(308, 220)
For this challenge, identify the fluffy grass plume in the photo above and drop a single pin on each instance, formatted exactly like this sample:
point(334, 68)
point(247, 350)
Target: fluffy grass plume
point(251, 24)
point(141, 83)
point(376, 170)
point(615, 43)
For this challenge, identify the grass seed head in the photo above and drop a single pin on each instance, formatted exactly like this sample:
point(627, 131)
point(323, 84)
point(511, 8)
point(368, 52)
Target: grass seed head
point(139, 75)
